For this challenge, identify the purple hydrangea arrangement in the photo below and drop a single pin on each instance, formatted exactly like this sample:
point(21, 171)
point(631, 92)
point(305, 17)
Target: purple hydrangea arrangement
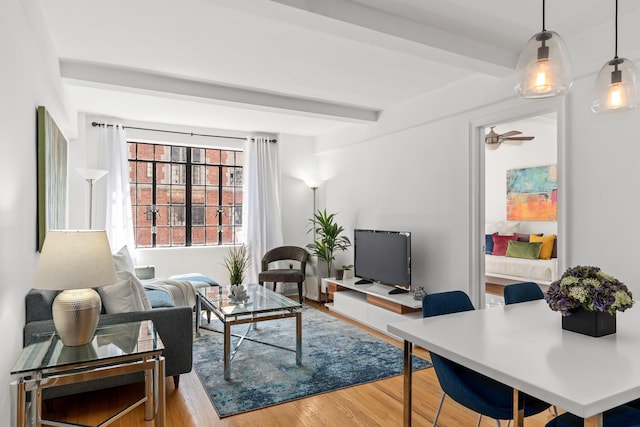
point(589, 288)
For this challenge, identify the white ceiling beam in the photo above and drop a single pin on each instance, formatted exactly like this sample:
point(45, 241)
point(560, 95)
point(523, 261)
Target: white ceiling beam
point(101, 75)
point(360, 22)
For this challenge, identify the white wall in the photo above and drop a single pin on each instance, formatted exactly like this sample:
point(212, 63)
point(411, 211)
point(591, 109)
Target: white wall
point(29, 77)
point(541, 151)
point(602, 198)
point(415, 179)
point(298, 167)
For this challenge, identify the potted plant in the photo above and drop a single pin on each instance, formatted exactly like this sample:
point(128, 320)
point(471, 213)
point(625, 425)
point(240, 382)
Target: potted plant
point(588, 300)
point(237, 262)
point(329, 238)
point(342, 272)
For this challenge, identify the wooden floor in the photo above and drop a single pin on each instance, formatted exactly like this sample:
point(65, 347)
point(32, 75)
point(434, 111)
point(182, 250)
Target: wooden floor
point(378, 403)
point(493, 289)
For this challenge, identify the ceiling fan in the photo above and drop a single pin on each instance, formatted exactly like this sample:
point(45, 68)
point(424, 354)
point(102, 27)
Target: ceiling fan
point(493, 140)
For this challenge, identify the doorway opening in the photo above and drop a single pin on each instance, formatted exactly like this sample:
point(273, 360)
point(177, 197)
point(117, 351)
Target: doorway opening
point(491, 210)
point(520, 201)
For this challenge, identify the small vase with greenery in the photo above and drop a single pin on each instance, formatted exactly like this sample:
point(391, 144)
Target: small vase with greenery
point(341, 273)
point(329, 238)
point(237, 262)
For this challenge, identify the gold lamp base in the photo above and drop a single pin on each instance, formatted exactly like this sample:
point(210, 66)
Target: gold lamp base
point(75, 315)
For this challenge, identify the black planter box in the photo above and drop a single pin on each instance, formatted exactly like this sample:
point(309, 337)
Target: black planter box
point(592, 323)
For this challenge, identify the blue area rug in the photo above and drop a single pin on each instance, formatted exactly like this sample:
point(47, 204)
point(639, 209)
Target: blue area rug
point(335, 355)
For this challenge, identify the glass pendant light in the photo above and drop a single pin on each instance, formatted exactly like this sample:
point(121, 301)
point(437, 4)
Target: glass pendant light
point(544, 68)
point(617, 83)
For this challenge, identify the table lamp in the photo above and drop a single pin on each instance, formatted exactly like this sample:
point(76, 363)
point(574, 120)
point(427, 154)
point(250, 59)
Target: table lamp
point(75, 261)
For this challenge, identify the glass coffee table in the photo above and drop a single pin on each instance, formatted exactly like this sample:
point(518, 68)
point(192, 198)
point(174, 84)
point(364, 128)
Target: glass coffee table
point(114, 350)
point(263, 305)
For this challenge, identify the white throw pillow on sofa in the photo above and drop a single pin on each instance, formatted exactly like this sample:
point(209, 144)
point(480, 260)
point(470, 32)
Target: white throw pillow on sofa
point(123, 261)
point(508, 228)
point(125, 295)
point(503, 228)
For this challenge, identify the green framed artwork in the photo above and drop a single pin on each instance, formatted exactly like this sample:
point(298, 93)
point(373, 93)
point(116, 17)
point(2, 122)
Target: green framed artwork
point(52, 176)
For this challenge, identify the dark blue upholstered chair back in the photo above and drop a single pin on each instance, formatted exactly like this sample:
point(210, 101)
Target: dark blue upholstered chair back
point(445, 303)
point(467, 387)
point(522, 292)
point(622, 416)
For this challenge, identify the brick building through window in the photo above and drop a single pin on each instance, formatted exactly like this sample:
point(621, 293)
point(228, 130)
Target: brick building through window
point(185, 196)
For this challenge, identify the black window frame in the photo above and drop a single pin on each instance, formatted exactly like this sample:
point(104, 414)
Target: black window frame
point(222, 209)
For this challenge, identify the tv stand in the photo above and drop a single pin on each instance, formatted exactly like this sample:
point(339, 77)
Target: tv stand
point(396, 291)
point(370, 304)
point(363, 282)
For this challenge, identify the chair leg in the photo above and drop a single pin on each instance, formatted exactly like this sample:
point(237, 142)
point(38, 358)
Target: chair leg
point(300, 298)
point(176, 380)
point(435, 419)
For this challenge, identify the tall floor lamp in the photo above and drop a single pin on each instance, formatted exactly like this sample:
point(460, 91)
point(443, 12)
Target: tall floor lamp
point(91, 176)
point(315, 189)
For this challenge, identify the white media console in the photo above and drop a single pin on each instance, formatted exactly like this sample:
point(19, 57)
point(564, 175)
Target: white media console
point(370, 304)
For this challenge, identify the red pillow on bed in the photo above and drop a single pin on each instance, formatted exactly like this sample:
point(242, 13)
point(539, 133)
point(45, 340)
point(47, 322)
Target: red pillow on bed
point(500, 243)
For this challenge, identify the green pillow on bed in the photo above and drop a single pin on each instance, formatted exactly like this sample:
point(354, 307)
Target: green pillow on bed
point(527, 250)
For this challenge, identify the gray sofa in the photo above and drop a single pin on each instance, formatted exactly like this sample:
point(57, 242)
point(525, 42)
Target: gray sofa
point(174, 324)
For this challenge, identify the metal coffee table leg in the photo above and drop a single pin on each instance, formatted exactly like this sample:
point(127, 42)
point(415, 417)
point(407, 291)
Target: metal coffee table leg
point(227, 350)
point(299, 338)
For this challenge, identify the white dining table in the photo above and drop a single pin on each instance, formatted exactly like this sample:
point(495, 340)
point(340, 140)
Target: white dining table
point(524, 346)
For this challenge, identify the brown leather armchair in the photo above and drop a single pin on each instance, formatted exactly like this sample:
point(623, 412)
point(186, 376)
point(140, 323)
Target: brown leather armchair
point(284, 275)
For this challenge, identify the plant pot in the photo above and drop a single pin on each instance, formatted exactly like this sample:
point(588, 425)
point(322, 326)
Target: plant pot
point(592, 323)
point(339, 274)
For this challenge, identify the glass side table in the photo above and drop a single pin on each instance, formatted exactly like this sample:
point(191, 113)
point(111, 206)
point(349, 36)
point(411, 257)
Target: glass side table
point(115, 350)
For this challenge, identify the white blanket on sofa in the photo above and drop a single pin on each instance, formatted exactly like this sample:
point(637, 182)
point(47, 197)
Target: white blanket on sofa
point(182, 291)
point(536, 270)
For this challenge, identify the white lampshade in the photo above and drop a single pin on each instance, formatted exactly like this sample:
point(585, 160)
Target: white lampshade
point(544, 68)
point(91, 174)
point(313, 183)
point(75, 259)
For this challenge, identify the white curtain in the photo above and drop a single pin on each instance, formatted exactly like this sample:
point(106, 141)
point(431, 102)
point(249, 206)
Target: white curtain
point(261, 204)
point(118, 221)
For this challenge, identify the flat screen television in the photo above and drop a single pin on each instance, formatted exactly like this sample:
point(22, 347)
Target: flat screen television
point(383, 257)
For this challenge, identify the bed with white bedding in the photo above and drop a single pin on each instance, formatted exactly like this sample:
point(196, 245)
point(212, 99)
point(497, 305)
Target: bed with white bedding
point(503, 270)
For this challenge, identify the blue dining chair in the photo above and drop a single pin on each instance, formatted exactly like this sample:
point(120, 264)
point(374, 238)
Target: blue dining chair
point(475, 391)
point(522, 292)
point(622, 416)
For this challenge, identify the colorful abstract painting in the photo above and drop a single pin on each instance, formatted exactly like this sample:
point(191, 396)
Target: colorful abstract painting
point(532, 194)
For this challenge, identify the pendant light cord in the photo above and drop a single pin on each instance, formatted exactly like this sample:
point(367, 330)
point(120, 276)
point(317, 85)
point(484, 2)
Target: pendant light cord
point(616, 38)
point(544, 27)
